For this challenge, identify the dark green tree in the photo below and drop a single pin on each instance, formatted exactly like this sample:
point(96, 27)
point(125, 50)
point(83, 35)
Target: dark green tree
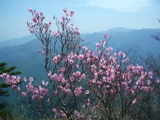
point(4, 93)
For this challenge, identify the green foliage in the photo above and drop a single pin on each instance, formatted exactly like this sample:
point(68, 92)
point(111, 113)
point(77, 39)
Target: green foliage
point(5, 93)
point(9, 70)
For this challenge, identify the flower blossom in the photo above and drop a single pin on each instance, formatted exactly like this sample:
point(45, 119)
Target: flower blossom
point(56, 59)
point(30, 10)
point(31, 30)
point(72, 12)
point(78, 91)
point(23, 94)
point(105, 35)
point(134, 101)
point(87, 92)
point(65, 10)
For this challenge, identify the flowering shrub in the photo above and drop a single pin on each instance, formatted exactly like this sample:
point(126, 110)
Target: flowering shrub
point(81, 83)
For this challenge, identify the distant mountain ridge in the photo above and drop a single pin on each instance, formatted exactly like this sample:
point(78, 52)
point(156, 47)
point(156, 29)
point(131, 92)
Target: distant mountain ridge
point(26, 57)
point(127, 39)
point(120, 29)
point(23, 40)
point(17, 41)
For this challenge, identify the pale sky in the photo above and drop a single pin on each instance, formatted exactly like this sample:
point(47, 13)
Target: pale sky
point(90, 15)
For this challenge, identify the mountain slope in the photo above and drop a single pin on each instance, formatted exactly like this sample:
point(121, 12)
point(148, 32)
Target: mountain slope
point(31, 63)
point(17, 41)
point(26, 58)
point(134, 40)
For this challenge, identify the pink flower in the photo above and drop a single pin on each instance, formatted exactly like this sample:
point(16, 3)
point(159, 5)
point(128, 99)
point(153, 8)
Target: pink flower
point(83, 76)
point(63, 18)
point(43, 83)
point(23, 94)
point(98, 45)
point(112, 91)
point(14, 87)
point(56, 59)
point(78, 114)
point(81, 56)
point(54, 110)
point(3, 75)
point(77, 32)
point(105, 35)
point(31, 79)
point(31, 30)
point(71, 61)
point(63, 69)
point(158, 81)
point(34, 97)
point(110, 48)
point(89, 117)
point(134, 101)
point(89, 100)
point(83, 106)
point(99, 82)
point(42, 52)
point(120, 53)
point(18, 89)
point(36, 14)
point(49, 73)
point(88, 104)
point(78, 74)
point(57, 34)
point(150, 74)
point(132, 91)
point(35, 92)
point(67, 91)
point(29, 87)
point(78, 91)
point(124, 84)
point(56, 92)
point(30, 10)
point(103, 42)
point(25, 79)
point(84, 47)
point(115, 54)
point(67, 85)
point(76, 28)
point(72, 78)
point(72, 12)
point(145, 88)
point(93, 81)
point(65, 10)
point(34, 20)
point(95, 107)
point(63, 81)
point(64, 115)
point(46, 83)
point(77, 66)
point(53, 77)
point(148, 82)
point(87, 92)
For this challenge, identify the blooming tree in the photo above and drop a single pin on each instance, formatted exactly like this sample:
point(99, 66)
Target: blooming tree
point(118, 84)
point(82, 83)
point(63, 60)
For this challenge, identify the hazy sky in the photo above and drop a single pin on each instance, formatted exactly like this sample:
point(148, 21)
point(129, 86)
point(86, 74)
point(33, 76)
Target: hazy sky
point(90, 15)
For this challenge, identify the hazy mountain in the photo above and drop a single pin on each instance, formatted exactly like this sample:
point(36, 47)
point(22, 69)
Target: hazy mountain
point(119, 29)
point(31, 63)
point(26, 58)
point(16, 41)
point(128, 39)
